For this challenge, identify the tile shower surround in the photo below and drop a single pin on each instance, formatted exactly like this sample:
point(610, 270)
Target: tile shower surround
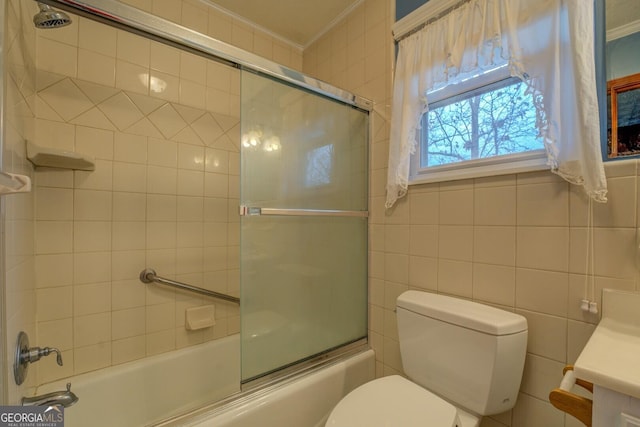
point(164, 194)
point(104, 70)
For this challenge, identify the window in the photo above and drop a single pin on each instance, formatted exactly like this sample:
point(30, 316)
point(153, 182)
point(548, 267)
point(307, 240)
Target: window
point(319, 166)
point(485, 125)
point(459, 51)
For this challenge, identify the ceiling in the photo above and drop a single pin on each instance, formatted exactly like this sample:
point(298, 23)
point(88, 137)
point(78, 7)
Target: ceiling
point(622, 12)
point(300, 22)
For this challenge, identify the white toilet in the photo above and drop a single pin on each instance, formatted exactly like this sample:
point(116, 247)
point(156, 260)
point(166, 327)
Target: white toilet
point(464, 360)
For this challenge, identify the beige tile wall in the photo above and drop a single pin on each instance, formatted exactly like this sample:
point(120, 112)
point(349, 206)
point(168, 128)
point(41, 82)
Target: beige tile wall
point(163, 126)
point(162, 193)
point(518, 241)
point(19, 304)
point(204, 18)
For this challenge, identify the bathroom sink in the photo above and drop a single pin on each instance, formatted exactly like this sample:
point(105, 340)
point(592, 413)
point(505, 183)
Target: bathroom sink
point(611, 358)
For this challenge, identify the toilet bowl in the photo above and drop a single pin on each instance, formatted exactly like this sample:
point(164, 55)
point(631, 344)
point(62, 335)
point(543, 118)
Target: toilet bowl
point(463, 360)
point(393, 401)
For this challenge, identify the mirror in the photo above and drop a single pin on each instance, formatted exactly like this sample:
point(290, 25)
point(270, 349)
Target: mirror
point(623, 96)
point(623, 77)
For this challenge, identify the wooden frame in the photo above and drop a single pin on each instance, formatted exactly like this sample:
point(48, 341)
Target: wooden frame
point(614, 87)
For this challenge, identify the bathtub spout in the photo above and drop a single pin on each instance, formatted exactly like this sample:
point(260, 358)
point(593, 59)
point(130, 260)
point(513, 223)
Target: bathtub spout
point(65, 398)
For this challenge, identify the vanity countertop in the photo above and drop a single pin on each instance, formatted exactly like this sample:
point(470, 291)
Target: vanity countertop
point(611, 358)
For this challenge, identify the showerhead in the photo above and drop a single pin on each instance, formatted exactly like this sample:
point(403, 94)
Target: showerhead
point(50, 18)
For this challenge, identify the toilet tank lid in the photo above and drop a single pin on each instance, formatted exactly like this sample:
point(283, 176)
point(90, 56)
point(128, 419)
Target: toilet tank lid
point(468, 314)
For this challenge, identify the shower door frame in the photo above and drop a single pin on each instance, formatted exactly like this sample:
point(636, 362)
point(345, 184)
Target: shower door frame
point(128, 18)
point(133, 20)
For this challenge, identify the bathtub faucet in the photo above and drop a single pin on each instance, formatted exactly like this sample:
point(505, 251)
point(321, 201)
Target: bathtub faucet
point(65, 398)
point(25, 354)
point(34, 354)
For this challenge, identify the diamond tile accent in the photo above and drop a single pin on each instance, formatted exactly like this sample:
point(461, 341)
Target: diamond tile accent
point(226, 122)
point(22, 108)
point(188, 136)
point(224, 143)
point(167, 120)
point(66, 99)
point(189, 114)
point(121, 110)
point(45, 111)
point(24, 84)
point(207, 129)
point(145, 103)
point(234, 136)
point(45, 79)
point(101, 107)
point(94, 118)
point(95, 92)
point(145, 128)
point(31, 103)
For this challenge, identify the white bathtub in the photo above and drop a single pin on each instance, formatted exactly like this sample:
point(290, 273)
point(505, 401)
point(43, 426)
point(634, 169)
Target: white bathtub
point(142, 392)
point(145, 392)
point(303, 402)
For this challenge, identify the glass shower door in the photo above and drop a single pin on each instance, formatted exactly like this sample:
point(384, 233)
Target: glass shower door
point(303, 227)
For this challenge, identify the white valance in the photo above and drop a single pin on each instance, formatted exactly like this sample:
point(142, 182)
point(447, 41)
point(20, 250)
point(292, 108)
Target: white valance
point(549, 44)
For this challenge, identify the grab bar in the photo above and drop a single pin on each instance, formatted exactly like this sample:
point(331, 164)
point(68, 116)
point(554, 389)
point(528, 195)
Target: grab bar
point(148, 275)
point(256, 211)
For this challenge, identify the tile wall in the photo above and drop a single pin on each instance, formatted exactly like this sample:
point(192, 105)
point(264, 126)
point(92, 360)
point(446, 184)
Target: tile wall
point(204, 18)
point(163, 126)
point(141, 109)
point(19, 312)
point(518, 242)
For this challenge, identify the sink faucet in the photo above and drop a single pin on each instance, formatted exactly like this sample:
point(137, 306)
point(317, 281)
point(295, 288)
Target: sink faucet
point(65, 398)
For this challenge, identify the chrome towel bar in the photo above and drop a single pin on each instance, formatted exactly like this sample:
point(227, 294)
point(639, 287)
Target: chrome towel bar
point(148, 275)
point(256, 211)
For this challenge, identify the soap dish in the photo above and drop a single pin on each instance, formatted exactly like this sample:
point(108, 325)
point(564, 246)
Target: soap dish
point(57, 158)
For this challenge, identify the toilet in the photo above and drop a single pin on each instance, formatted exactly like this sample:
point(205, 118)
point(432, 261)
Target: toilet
point(463, 359)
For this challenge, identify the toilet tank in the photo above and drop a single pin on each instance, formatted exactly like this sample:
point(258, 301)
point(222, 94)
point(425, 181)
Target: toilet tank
point(468, 353)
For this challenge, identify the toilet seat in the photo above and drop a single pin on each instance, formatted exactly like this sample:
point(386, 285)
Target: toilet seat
point(390, 402)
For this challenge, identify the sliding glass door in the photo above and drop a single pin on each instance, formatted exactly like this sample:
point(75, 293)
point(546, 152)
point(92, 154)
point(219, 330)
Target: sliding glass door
point(303, 251)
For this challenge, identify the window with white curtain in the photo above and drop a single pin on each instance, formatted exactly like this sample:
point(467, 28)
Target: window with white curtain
point(486, 87)
point(484, 125)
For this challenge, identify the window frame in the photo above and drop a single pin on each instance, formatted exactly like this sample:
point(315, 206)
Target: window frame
point(527, 161)
point(310, 159)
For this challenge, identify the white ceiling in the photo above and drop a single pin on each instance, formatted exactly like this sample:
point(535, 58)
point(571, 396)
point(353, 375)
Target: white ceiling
point(303, 21)
point(622, 12)
point(298, 21)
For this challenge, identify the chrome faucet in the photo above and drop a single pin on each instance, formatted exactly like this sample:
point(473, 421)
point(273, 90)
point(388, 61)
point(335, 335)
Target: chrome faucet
point(34, 354)
point(65, 398)
point(24, 355)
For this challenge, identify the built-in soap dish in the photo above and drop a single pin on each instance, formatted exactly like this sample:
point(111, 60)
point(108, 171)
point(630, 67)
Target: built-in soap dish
point(57, 158)
point(200, 317)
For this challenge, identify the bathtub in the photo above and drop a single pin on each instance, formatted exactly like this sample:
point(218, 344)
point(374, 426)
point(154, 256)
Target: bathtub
point(153, 390)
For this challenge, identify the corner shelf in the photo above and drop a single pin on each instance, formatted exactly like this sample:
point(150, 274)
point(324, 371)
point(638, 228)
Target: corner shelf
point(57, 158)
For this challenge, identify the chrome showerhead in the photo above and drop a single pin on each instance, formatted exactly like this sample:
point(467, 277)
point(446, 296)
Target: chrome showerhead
point(50, 18)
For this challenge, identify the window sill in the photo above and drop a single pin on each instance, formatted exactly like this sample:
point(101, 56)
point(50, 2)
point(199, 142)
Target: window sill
point(478, 170)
